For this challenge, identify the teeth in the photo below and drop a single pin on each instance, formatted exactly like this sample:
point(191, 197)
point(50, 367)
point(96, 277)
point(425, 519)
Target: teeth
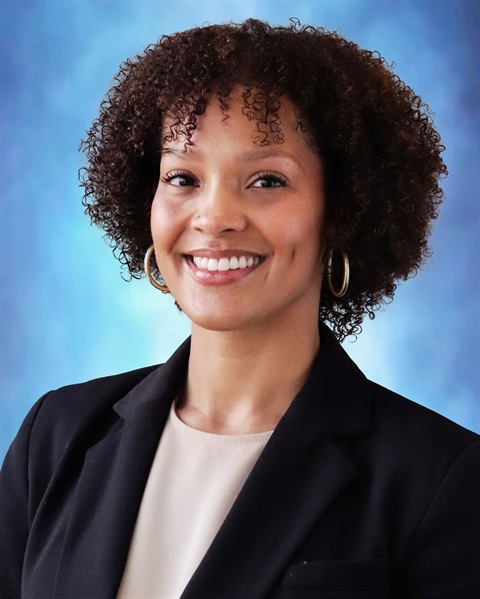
point(212, 264)
point(224, 264)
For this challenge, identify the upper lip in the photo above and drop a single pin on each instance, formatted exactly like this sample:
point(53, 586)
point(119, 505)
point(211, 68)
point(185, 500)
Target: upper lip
point(210, 253)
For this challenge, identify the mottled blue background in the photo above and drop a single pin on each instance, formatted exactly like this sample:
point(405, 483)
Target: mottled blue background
point(66, 314)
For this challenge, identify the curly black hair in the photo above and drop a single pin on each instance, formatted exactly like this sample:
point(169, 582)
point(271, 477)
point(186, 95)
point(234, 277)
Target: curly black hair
point(374, 135)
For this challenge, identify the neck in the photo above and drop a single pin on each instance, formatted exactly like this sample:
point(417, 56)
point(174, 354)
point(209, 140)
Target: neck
point(242, 382)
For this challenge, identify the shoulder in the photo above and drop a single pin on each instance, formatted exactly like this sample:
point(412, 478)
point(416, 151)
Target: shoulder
point(407, 423)
point(78, 400)
point(64, 415)
point(414, 451)
point(76, 417)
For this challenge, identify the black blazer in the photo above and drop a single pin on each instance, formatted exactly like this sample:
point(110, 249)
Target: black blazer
point(359, 494)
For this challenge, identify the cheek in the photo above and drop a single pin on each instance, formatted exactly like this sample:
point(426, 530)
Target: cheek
point(164, 221)
point(315, 225)
point(303, 232)
point(308, 245)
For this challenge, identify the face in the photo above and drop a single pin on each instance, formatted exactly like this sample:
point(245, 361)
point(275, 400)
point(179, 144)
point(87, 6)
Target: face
point(237, 227)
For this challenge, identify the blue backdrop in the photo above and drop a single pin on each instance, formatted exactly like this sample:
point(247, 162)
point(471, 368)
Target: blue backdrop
point(66, 314)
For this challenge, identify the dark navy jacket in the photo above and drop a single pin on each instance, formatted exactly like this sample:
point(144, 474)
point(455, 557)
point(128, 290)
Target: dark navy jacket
point(359, 494)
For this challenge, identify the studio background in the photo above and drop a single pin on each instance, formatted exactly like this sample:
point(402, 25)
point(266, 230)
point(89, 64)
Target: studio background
point(67, 315)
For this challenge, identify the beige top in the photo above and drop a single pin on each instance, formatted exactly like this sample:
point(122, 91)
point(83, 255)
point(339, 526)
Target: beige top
point(194, 480)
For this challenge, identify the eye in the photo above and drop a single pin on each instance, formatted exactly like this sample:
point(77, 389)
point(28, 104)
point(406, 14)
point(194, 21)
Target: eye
point(178, 179)
point(269, 181)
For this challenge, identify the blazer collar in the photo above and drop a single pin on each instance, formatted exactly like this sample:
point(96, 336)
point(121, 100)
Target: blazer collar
point(336, 393)
point(301, 463)
point(159, 388)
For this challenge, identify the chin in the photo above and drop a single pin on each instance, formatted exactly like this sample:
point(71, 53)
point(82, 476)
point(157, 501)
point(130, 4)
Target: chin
point(218, 317)
point(218, 322)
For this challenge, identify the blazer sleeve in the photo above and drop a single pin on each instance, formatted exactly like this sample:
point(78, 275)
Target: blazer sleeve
point(444, 557)
point(14, 507)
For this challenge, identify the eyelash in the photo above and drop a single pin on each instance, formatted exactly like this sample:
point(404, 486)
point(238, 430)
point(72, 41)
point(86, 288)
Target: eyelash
point(272, 177)
point(176, 174)
point(266, 176)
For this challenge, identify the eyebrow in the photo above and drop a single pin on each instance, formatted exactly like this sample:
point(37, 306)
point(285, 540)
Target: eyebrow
point(249, 156)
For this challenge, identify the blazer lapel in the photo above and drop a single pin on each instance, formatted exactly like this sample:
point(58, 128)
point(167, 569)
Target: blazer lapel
point(298, 475)
point(107, 500)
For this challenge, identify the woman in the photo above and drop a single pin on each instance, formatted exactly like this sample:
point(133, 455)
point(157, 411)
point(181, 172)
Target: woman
point(262, 176)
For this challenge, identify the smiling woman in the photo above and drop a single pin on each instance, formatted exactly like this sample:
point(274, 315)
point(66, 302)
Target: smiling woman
point(272, 179)
point(224, 199)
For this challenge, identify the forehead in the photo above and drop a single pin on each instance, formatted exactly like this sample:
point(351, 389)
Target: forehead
point(242, 115)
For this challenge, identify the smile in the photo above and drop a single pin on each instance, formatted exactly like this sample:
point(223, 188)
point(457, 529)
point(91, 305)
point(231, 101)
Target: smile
point(224, 264)
point(224, 268)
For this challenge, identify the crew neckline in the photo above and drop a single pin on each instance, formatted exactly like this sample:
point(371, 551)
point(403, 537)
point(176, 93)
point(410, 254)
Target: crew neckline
point(223, 439)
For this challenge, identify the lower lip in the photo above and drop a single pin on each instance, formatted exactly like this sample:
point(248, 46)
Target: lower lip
point(219, 277)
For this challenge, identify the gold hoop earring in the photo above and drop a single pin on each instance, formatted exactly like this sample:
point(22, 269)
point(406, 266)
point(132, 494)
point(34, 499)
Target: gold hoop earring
point(148, 271)
point(346, 274)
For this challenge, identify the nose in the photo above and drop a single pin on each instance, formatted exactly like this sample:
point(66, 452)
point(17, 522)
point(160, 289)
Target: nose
point(220, 210)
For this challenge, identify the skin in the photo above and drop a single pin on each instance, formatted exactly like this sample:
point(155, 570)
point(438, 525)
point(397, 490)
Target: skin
point(254, 329)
